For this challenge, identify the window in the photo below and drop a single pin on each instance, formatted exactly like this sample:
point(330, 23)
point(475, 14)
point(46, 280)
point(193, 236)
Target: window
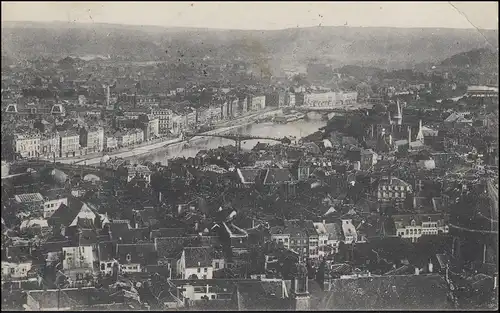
point(412, 222)
point(216, 264)
point(103, 266)
point(12, 270)
point(205, 269)
point(419, 231)
point(286, 239)
point(129, 257)
point(199, 270)
point(407, 232)
point(213, 297)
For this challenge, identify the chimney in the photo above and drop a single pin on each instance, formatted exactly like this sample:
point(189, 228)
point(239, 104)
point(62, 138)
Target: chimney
point(417, 271)
point(159, 196)
point(430, 266)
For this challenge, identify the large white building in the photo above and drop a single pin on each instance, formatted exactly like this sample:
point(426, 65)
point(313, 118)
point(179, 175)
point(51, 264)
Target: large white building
point(69, 144)
point(92, 138)
point(164, 117)
point(258, 103)
point(27, 145)
point(414, 226)
point(330, 99)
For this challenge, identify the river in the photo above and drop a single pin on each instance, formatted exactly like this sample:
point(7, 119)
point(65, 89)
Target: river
point(296, 129)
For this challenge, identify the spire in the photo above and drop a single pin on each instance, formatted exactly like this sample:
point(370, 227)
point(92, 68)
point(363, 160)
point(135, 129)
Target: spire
point(400, 114)
point(420, 134)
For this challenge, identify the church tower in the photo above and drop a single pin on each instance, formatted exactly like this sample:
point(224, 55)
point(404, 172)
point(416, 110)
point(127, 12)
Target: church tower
point(399, 115)
point(300, 291)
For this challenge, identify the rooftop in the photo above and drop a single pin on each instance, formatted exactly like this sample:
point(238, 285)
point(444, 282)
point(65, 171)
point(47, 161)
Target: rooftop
point(409, 292)
point(29, 197)
point(198, 256)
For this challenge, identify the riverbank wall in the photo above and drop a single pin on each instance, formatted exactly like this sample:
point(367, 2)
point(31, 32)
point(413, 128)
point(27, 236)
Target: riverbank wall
point(143, 150)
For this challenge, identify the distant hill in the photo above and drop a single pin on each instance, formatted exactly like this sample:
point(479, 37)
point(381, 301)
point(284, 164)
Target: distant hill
point(483, 58)
point(377, 47)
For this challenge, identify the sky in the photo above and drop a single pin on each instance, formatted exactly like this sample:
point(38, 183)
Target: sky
point(261, 15)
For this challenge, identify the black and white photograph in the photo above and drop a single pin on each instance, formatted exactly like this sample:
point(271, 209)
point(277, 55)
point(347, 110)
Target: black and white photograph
point(249, 156)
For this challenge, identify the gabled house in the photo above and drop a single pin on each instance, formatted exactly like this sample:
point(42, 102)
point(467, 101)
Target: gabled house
point(349, 231)
point(170, 248)
point(15, 270)
point(67, 216)
point(329, 236)
point(196, 262)
point(53, 199)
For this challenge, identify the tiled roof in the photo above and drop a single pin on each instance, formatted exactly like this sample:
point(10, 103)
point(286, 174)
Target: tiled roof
point(143, 253)
point(87, 237)
point(72, 298)
point(55, 194)
point(402, 270)
point(260, 295)
point(29, 197)
point(65, 214)
point(295, 228)
point(170, 247)
point(341, 269)
point(248, 176)
point(278, 176)
point(443, 260)
point(406, 219)
point(85, 223)
point(412, 292)
point(334, 231)
point(320, 228)
point(122, 233)
point(54, 246)
point(167, 232)
point(198, 256)
point(106, 251)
